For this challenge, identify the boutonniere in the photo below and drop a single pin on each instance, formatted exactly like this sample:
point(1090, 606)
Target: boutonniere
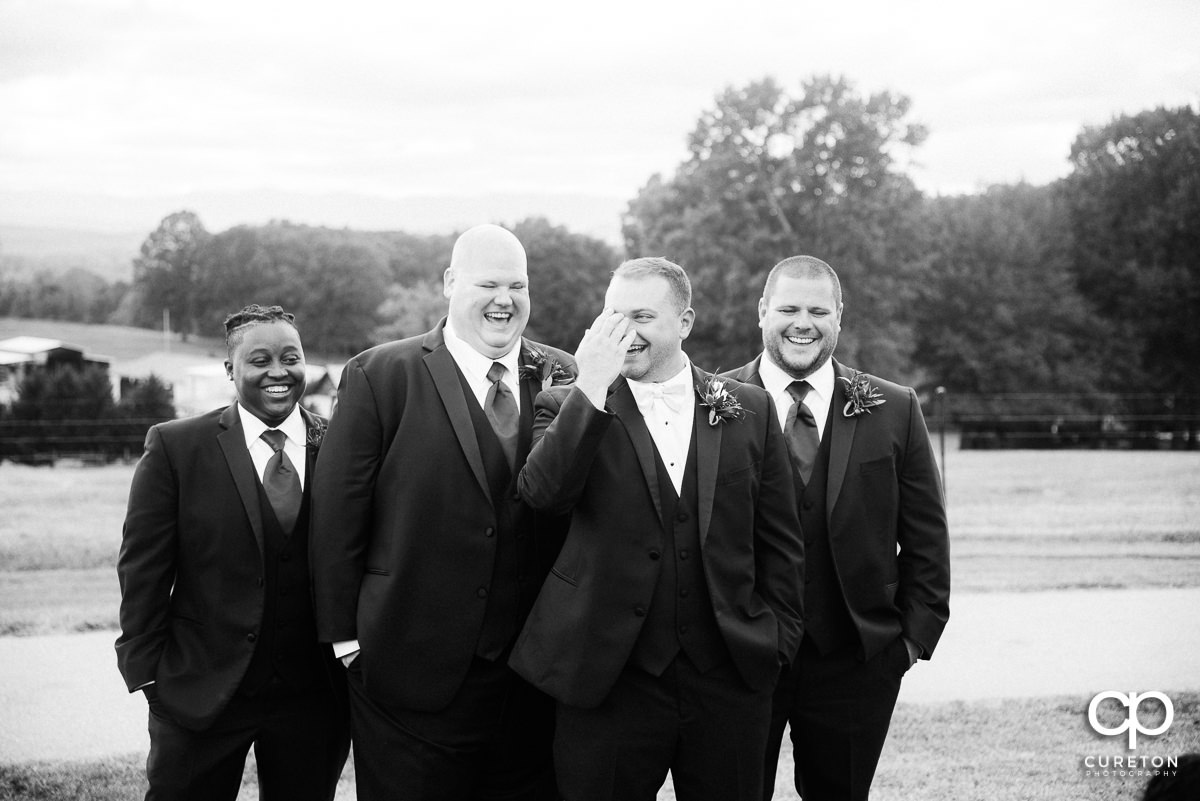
point(315, 433)
point(720, 402)
point(862, 395)
point(545, 370)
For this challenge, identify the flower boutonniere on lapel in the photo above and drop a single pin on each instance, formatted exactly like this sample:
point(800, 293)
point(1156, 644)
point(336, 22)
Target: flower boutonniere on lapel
point(315, 433)
point(721, 403)
point(547, 371)
point(862, 396)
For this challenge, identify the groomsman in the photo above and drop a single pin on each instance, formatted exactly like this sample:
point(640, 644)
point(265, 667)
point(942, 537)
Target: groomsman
point(877, 584)
point(425, 559)
point(675, 600)
point(217, 626)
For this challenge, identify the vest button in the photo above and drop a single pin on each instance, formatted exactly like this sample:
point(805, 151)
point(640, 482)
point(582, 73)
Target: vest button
point(286, 555)
point(482, 592)
point(683, 593)
point(489, 532)
point(683, 554)
point(683, 629)
point(682, 517)
point(655, 555)
point(808, 505)
point(640, 611)
point(251, 637)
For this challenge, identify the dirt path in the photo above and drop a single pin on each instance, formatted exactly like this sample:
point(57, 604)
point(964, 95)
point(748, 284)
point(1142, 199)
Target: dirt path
point(62, 697)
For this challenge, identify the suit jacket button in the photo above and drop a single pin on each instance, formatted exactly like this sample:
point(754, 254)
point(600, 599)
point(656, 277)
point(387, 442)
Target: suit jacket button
point(640, 611)
point(481, 592)
point(655, 555)
point(489, 532)
point(251, 637)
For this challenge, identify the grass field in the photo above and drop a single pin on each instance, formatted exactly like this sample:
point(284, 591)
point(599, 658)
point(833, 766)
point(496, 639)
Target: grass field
point(1033, 750)
point(1020, 520)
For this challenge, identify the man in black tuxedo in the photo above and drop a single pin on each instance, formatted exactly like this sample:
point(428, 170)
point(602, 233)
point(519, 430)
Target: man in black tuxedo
point(676, 596)
point(877, 584)
point(217, 625)
point(425, 560)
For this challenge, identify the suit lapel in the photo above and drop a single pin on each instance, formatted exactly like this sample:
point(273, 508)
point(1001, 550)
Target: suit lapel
point(842, 430)
point(445, 380)
point(241, 467)
point(749, 373)
point(530, 387)
point(708, 455)
point(310, 450)
point(620, 400)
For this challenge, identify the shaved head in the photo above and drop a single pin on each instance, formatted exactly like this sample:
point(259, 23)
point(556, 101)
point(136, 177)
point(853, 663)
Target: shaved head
point(487, 245)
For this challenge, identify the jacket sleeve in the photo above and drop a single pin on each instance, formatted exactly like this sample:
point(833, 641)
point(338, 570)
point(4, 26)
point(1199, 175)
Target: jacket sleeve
point(146, 563)
point(922, 533)
point(779, 546)
point(343, 505)
point(567, 432)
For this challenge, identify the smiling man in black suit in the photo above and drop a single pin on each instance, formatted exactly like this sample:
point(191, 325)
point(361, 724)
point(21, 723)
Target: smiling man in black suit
point(877, 583)
point(217, 623)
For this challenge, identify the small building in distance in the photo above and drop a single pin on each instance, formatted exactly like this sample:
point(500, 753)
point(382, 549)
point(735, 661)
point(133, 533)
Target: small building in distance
point(22, 354)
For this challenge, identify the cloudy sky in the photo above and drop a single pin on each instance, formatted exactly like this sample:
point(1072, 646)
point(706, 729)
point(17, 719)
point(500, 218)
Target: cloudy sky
point(128, 99)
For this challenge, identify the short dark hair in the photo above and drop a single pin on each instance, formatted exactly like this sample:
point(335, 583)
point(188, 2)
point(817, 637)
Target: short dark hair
point(237, 323)
point(803, 267)
point(681, 287)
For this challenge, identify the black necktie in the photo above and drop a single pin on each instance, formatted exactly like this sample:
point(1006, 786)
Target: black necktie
point(801, 430)
point(281, 482)
point(501, 410)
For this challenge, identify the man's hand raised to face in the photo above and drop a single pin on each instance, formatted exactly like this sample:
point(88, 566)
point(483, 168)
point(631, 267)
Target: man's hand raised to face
point(601, 354)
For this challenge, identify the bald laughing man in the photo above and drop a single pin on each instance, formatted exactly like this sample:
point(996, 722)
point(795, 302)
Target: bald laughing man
point(425, 560)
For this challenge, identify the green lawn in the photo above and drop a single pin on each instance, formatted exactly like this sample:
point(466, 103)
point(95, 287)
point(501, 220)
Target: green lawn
point(1034, 750)
point(1020, 520)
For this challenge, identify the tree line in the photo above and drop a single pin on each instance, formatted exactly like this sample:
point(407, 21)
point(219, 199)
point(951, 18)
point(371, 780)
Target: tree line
point(1086, 285)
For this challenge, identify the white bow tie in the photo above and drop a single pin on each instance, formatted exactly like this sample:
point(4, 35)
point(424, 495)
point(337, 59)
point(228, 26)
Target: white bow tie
point(672, 395)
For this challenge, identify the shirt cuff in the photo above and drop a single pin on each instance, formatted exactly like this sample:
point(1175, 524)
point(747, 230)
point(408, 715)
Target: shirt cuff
point(345, 648)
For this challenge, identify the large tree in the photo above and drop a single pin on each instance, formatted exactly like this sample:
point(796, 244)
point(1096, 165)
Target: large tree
point(772, 175)
point(167, 271)
point(567, 276)
point(999, 311)
point(1134, 198)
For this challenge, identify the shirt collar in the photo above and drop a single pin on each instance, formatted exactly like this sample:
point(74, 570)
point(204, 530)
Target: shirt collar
point(776, 381)
point(474, 363)
point(293, 426)
point(682, 378)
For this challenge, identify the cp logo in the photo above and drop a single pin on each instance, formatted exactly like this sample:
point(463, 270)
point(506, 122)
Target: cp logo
point(1131, 722)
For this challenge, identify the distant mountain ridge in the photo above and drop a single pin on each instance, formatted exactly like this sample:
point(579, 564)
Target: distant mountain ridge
point(28, 249)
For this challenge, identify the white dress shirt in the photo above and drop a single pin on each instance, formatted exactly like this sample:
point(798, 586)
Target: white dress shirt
point(474, 366)
point(260, 450)
point(818, 399)
point(671, 428)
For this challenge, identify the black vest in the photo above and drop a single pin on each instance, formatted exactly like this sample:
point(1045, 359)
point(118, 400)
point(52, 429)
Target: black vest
point(827, 622)
point(512, 589)
point(680, 616)
point(287, 656)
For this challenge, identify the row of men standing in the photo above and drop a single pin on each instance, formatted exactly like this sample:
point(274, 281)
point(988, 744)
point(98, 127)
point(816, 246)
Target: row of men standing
point(533, 575)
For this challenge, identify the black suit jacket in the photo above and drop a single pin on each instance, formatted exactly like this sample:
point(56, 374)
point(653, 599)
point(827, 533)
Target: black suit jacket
point(402, 543)
point(885, 493)
point(599, 466)
point(191, 564)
